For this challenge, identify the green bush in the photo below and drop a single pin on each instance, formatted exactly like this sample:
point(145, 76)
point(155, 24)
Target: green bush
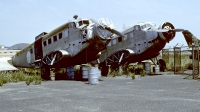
point(18, 76)
point(1, 83)
point(28, 80)
point(133, 76)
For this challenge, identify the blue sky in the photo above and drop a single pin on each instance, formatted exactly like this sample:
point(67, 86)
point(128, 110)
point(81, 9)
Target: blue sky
point(22, 20)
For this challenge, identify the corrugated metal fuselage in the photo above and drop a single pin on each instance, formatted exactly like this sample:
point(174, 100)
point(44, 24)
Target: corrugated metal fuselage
point(71, 40)
point(144, 44)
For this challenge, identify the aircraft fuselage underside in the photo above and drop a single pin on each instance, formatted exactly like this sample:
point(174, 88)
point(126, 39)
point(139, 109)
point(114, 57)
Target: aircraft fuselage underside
point(123, 56)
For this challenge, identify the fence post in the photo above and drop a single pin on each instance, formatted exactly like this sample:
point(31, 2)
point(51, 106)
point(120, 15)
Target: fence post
point(177, 60)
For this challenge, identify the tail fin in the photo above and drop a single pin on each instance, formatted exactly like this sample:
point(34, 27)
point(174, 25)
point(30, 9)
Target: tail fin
point(190, 38)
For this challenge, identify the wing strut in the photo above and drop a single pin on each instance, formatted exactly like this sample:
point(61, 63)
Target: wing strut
point(53, 59)
point(121, 58)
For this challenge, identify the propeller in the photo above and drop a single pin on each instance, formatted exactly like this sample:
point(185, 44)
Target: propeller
point(108, 28)
point(166, 30)
point(162, 30)
point(178, 30)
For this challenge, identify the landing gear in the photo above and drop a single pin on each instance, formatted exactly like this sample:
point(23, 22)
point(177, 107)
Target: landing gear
point(114, 66)
point(45, 72)
point(104, 69)
point(162, 64)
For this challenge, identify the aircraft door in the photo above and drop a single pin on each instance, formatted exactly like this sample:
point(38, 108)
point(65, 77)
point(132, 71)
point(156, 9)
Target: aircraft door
point(75, 38)
point(38, 49)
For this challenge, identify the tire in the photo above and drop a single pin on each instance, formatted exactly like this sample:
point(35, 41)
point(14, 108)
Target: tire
point(162, 65)
point(45, 73)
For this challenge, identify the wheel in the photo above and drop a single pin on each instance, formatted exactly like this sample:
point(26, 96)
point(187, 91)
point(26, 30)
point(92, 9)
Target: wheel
point(104, 71)
point(45, 73)
point(162, 64)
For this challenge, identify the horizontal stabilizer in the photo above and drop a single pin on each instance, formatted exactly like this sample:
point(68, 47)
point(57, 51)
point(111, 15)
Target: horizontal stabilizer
point(5, 66)
point(190, 38)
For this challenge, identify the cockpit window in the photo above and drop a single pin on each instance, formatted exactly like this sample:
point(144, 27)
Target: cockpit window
point(148, 25)
point(142, 26)
point(80, 23)
point(137, 27)
point(145, 26)
point(86, 22)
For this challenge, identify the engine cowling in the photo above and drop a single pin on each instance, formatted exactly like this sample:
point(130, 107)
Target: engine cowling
point(169, 35)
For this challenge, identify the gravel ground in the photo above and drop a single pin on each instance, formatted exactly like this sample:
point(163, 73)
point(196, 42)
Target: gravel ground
point(158, 93)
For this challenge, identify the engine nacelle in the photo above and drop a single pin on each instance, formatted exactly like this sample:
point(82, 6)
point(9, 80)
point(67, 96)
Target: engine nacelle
point(167, 36)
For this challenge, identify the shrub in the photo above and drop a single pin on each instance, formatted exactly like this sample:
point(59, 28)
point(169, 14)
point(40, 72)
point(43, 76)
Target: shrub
point(37, 79)
point(1, 83)
point(133, 76)
point(140, 71)
point(28, 80)
point(6, 77)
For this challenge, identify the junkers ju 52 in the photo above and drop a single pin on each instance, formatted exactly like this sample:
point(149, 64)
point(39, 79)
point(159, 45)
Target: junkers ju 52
point(76, 42)
point(142, 41)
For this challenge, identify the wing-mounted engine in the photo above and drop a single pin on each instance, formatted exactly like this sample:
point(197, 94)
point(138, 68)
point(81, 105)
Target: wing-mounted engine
point(120, 56)
point(168, 35)
point(55, 57)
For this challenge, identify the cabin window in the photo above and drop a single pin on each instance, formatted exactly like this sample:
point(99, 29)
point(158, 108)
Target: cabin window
point(45, 43)
point(119, 39)
point(49, 41)
point(83, 42)
point(129, 35)
point(65, 33)
point(31, 50)
point(60, 35)
point(55, 38)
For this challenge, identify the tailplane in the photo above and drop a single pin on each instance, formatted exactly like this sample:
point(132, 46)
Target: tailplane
point(190, 38)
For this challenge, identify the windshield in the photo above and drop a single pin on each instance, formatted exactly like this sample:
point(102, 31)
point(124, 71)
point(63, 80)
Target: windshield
point(86, 22)
point(143, 26)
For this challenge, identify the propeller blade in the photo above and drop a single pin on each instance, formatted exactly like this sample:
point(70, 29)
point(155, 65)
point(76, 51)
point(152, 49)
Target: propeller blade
point(118, 33)
point(96, 22)
point(109, 29)
point(166, 30)
point(162, 30)
point(178, 30)
point(114, 31)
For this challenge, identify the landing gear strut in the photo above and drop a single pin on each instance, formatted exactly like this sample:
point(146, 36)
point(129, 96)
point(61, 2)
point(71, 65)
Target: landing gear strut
point(104, 69)
point(45, 72)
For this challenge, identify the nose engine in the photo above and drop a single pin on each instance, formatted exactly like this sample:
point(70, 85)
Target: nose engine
point(100, 34)
point(168, 35)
